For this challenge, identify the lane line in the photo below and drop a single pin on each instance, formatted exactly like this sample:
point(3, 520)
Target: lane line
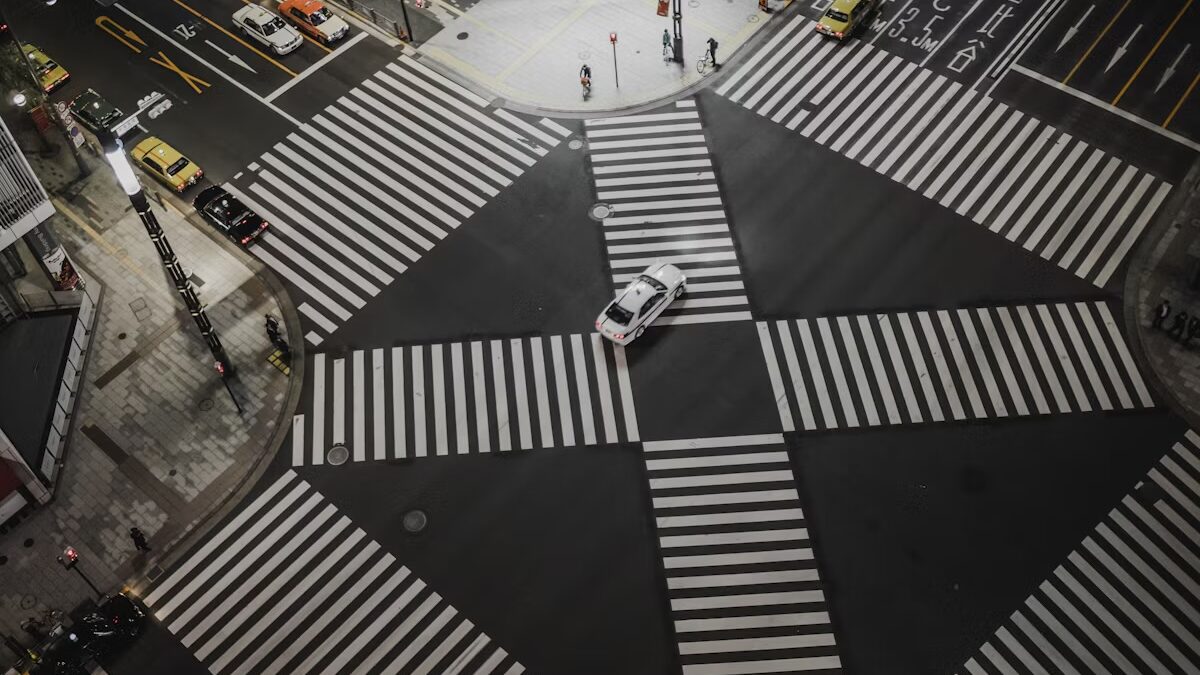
point(316, 66)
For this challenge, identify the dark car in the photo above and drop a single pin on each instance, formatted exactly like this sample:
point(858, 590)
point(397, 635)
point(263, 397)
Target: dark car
point(229, 215)
point(118, 615)
point(95, 113)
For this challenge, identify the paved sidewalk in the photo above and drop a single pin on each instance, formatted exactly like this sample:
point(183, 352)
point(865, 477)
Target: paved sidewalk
point(156, 442)
point(532, 56)
point(1164, 267)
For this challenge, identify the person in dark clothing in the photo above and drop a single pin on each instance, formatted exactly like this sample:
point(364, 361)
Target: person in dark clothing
point(1193, 331)
point(139, 539)
point(712, 52)
point(1161, 313)
point(1178, 324)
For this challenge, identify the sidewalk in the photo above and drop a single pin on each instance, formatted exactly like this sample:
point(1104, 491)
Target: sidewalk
point(1163, 267)
point(156, 442)
point(532, 57)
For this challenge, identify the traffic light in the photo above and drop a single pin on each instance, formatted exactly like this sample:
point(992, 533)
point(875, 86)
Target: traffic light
point(69, 557)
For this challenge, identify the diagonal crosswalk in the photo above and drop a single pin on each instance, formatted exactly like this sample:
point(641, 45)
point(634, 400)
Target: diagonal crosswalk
point(933, 366)
point(291, 586)
point(1070, 203)
point(372, 183)
point(741, 577)
point(467, 397)
point(655, 172)
point(1127, 600)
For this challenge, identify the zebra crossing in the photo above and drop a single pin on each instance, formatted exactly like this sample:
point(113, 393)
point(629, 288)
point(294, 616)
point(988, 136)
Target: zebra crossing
point(655, 173)
point(1052, 194)
point(741, 577)
point(1127, 600)
point(467, 397)
point(372, 183)
point(292, 586)
point(930, 366)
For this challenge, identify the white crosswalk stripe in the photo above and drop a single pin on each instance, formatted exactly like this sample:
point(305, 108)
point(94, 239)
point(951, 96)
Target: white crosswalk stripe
point(966, 364)
point(376, 180)
point(741, 577)
point(655, 173)
point(1127, 600)
point(284, 584)
point(1052, 194)
point(467, 397)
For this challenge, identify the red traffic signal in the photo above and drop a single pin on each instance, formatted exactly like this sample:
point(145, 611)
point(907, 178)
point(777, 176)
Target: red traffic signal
point(612, 37)
point(69, 557)
point(220, 367)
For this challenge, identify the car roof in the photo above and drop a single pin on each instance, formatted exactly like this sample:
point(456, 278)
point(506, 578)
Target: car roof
point(208, 195)
point(306, 6)
point(155, 146)
point(635, 295)
point(844, 5)
point(260, 14)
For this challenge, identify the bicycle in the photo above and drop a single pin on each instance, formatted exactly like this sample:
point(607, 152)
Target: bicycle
point(705, 65)
point(586, 83)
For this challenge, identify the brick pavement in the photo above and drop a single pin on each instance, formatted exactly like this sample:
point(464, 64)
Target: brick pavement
point(156, 441)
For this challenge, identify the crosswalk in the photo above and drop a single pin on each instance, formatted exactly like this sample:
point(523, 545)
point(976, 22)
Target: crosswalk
point(1127, 600)
point(467, 397)
point(930, 366)
point(292, 586)
point(1052, 194)
point(741, 577)
point(655, 173)
point(372, 183)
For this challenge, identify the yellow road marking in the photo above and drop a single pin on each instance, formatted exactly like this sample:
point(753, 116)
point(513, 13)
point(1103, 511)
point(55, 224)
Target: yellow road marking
point(302, 33)
point(1152, 50)
point(237, 39)
point(1183, 98)
point(121, 33)
point(115, 252)
point(188, 78)
point(1094, 43)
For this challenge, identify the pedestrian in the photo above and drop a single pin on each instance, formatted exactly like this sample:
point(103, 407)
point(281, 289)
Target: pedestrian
point(1178, 324)
point(666, 44)
point(712, 52)
point(1161, 314)
point(139, 539)
point(1193, 331)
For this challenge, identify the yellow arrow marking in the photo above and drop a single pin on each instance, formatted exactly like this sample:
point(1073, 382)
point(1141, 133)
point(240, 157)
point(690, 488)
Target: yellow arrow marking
point(121, 33)
point(191, 80)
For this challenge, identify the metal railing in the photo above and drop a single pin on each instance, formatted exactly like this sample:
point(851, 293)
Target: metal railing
point(393, 26)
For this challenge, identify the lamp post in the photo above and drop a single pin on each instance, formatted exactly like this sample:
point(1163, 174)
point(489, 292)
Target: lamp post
point(677, 24)
point(115, 155)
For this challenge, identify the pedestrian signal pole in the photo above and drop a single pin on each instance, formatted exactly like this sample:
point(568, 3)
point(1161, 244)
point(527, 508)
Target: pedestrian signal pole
point(612, 37)
point(677, 23)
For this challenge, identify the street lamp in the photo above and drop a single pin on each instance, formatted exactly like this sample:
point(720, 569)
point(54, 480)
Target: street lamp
point(70, 560)
point(115, 154)
point(677, 25)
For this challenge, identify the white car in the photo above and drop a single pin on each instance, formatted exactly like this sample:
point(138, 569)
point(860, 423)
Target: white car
point(266, 28)
point(641, 302)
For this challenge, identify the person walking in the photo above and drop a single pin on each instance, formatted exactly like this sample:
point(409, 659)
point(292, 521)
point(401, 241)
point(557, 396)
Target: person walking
point(139, 539)
point(712, 53)
point(1193, 331)
point(1178, 324)
point(666, 44)
point(1161, 313)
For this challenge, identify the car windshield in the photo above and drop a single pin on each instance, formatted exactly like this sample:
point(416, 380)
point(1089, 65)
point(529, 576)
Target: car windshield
point(178, 166)
point(652, 282)
point(836, 15)
point(319, 17)
point(228, 209)
point(45, 68)
point(271, 26)
point(619, 314)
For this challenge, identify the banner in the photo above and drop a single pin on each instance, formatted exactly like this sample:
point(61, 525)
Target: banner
point(53, 258)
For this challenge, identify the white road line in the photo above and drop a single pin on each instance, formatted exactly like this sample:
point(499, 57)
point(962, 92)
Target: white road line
point(379, 441)
point(603, 390)
point(318, 410)
point(1114, 225)
point(462, 443)
point(628, 409)
point(561, 389)
point(940, 365)
point(960, 363)
point(545, 425)
point(399, 429)
point(500, 392)
point(860, 376)
point(878, 369)
point(581, 388)
point(814, 369)
point(315, 67)
point(1050, 187)
point(724, 498)
point(1018, 347)
point(1039, 350)
point(1081, 353)
point(922, 372)
point(1106, 360)
point(1135, 377)
point(713, 442)
point(479, 386)
point(981, 362)
point(1049, 218)
point(839, 376)
point(1095, 185)
point(898, 367)
point(522, 394)
point(437, 369)
point(358, 366)
point(297, 440)
point(1041, 149)
point(339, 401)
point(420, 406)
point(1130, 237)
point(777, 389)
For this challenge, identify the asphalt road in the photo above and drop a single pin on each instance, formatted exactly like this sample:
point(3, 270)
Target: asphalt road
point(904, 361)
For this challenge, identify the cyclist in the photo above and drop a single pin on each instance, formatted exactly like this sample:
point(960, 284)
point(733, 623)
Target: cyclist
point(585, 78)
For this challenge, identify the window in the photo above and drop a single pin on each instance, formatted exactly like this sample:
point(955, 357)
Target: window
point(619, 314)
point(836, 15)
point(178, 166)
point(652, 303)
point(319, 17)
point(298, 14)
point(251, 25)
point(152, 164)
point(272, 26)
point(652, 282)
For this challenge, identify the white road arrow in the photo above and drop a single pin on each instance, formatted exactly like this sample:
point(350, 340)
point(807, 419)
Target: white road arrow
point(1071, 31)
point(242, 63)
point(1122, 49)
point(1171, 70)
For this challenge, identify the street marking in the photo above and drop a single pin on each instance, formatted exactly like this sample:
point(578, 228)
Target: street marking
point(314, 67)
point(233, 59)
point(1179, 104)
point(1072, 30)
point(188, 79)
point(1122, 49)
point(1170, 71)
point(1095, 42)
point(121, 33)
point(236, 39)
point(1152, 51)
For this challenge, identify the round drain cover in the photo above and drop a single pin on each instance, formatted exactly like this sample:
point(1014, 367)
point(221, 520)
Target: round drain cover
point(462, 36)
point(337, 455)
point(601, 211)
point(414, 521)
point(575, 144)
point(206, 404)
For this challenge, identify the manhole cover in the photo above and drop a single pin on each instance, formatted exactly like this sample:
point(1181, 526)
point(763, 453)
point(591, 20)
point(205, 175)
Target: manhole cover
point(120, 336)
point(28, 543)
point(753, 18)
point(575, 144)
point(172, 472)
point(206, 404)
point(600, 211)
point(415, 521)
point(462, 36)
point(337, 455)
point(28, 601)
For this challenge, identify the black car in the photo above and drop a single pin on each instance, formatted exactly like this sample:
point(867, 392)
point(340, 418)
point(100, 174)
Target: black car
point(118, 617)
point(229, 215)
point(93, 112)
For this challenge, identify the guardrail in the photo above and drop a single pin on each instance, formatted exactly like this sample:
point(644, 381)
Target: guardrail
point(380, 20)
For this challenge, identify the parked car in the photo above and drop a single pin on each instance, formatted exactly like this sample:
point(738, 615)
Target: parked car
point(92, 111)
point(229, 215)
point(266, 28)
point(312, 17)
point(642, 301)
point(50, 75)
point(166, 163)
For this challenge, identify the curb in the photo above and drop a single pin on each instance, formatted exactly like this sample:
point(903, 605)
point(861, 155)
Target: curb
point(1171, 216)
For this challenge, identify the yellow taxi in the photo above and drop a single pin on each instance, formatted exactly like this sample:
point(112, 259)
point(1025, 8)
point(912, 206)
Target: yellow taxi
point(166, 163)
point(844, 17)
point(50, 75)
